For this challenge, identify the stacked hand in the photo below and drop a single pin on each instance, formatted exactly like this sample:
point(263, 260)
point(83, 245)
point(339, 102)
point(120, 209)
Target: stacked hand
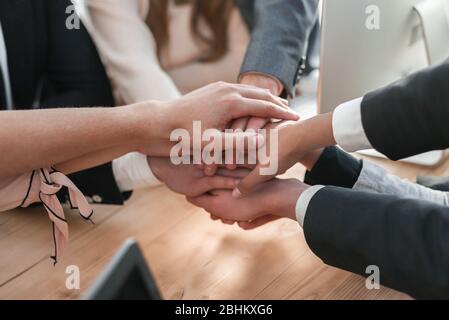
point(215, 106)
point(260, 81)
point(295, 142)
point(190, 180)
point(251, 196)
point(255, 80)
point(260, 197)
point(270, 201)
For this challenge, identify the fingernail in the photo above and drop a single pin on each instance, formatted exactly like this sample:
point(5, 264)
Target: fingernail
point(236, 193)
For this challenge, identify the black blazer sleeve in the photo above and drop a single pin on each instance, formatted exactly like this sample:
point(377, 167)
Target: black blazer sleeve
point(75, 77)
point(406, 238)
point(410, 116)
point(334, 168)
point(280, 32)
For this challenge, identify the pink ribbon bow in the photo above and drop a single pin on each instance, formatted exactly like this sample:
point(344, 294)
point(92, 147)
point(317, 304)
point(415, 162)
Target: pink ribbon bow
point(50, 184)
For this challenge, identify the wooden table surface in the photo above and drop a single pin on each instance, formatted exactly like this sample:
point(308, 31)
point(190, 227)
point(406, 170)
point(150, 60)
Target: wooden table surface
point(191, 256)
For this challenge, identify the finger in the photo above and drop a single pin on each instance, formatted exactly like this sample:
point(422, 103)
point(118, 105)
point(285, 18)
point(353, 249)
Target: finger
point(250, 182)
point(200, 166)
point(200, 201)
point(249, 225)
point(246, 140)
point(287, 102)
point(239, 173)
point(256, 123)
point(230, 159)
point(230, 166)
point(226, 221)
point(262, 109)
point(210, 169)
point(219, 182)
point(263, 94)
point(239, 123)
point(236, 166)
point(217, 192)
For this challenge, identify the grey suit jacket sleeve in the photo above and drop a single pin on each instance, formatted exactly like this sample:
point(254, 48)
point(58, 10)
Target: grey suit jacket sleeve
point(407, 239)
point(279, 37)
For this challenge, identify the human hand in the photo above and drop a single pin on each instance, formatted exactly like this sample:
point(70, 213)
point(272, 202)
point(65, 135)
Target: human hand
point(215, 106)
point(271, 200)
point(294, 142)
point(218, 104)
point(263, 81)
point(258, 80)
point(190, 180)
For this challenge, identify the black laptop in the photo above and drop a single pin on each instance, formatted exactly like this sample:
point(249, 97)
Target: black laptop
point(127, 277)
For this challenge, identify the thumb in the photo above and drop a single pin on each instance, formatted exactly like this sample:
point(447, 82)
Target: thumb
point(250, 182)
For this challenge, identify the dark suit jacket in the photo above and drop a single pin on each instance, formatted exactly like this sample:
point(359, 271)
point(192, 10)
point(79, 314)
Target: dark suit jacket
point(43, 53)
point(410, 116)
point(407, 239)
point(280, 31)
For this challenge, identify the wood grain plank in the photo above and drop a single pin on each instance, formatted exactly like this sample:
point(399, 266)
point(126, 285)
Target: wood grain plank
point(26, 237)
point(191, 256)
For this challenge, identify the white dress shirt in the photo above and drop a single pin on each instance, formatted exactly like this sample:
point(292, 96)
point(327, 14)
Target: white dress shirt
point(128, 50)
point(132, 171)
point(350, 135)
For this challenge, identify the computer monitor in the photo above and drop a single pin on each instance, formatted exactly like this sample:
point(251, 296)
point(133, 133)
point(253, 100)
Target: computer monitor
point(367, 44)
point(127, 277)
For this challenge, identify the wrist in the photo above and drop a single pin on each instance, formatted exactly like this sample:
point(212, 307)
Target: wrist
point(314, 133)
point(289, 192)
point(262, 80)
point(155, 165)
point(152, 127)
point(127, 127)
point(311, 158)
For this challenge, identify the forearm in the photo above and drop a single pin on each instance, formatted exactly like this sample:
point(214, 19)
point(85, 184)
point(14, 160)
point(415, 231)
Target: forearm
point(41, 138)
point(90, 160)
point(313, 134)
point(286, 196)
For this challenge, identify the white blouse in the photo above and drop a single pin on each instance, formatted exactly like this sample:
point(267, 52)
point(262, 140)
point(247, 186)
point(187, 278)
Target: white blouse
point(128, 50)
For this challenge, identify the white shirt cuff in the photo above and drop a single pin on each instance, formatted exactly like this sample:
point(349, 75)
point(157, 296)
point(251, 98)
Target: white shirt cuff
point(348, 128)
point(132, 171)
point(303, 203)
